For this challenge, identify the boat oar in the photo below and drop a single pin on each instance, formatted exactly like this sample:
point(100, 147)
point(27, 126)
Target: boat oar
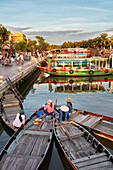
point(29, 126)
point(65, 132)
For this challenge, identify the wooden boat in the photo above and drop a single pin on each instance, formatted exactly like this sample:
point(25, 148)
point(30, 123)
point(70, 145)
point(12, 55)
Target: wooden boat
point(81, 149)
point(99, 124)
point(94, 66)
point(28, 148)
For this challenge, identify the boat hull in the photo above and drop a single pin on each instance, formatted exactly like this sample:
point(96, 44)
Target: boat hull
point(76, 72)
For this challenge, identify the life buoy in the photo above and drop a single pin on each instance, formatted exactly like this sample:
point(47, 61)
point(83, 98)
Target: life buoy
point(71, 71)
point(106, 79)
point(91, 72)
point(106, 71)
point(71, 81)
point(54, 70)
point(91, 80)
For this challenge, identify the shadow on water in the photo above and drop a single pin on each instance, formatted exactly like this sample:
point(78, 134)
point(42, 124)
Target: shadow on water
point(55, 158)
point(5, 134)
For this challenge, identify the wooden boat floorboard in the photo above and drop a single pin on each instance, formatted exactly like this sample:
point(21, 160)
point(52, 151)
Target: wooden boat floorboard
point(13, 162)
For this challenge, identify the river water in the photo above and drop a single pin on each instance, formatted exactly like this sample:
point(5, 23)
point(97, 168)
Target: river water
point(94, 96)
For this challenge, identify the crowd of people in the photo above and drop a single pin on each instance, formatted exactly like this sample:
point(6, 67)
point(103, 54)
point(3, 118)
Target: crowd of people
point(7, 59)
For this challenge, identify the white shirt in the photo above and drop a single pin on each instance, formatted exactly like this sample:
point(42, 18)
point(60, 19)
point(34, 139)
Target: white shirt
point(17, 122)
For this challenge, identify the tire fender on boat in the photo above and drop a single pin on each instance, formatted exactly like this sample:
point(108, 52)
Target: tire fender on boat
point(91, 72)
point(71, 71)
point(54, 70)
point(90, 80)
point(106, 71)
point(106, 79)
point(71, 81)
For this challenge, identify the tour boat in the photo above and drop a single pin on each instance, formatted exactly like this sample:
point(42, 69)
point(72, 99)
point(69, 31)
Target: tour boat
point(94, 66)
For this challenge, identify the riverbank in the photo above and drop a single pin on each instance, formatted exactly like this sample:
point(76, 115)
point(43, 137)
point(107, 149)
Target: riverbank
point(17, 73)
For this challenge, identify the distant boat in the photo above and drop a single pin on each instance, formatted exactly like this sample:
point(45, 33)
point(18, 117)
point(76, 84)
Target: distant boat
point(65, 66)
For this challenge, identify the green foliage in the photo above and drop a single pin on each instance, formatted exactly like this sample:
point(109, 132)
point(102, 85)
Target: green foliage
point(21, 46)
point(3, 36)
point(31, 45)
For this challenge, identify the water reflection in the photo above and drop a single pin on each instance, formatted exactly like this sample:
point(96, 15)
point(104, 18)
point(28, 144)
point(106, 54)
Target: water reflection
point(55, 159)
point(79, 84)
point(5, 134)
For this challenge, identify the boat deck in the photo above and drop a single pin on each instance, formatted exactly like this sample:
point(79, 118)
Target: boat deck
point(95, 122)
point(81, 153)
point(29, 148)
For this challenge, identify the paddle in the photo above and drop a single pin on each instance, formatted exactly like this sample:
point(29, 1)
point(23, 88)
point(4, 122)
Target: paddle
point(65, 132)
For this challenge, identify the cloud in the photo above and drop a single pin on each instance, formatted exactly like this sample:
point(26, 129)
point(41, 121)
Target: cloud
point(17, 29)
point(60, 36)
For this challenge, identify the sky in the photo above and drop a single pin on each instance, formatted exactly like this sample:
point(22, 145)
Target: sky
point(58, 21)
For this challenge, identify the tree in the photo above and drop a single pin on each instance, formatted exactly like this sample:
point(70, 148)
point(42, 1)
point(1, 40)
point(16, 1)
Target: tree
point(104, 39)
point(3, 36)
point(111, 41)
point(31, 45)
point(41, 42)
point(21, 46)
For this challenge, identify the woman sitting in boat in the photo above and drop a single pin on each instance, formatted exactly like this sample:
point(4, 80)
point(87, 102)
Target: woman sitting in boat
point(67, 109)
point(48, 109)
point(20, 119)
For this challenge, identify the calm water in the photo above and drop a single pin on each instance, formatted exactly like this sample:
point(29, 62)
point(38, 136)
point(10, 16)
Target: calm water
point(89, 99)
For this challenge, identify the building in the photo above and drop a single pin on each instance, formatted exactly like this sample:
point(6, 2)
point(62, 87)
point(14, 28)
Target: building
point(17, 37)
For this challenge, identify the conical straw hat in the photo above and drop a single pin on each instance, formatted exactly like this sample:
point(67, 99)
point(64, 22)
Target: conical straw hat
point(64, 108)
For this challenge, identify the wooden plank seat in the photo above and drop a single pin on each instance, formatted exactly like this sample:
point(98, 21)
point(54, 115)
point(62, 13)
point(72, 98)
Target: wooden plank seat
point(92, 121)
point(12, 109)
point(93, 161)
point(81, 118)
point(107, 124)
point(72, 136)
point(104, 129)
point(9, 96)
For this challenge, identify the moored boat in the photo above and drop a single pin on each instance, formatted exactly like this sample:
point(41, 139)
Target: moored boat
point(93, 66)
point(28, 147)
point(100, 125)
point(81, 149)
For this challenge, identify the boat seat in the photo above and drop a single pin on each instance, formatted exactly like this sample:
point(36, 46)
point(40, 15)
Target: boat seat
point(93, 162)
point(92, 121)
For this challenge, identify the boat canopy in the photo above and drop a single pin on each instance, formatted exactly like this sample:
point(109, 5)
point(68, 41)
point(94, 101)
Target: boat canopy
point(81, 59)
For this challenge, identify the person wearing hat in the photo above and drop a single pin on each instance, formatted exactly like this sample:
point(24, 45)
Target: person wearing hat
point(20, 119)
point(66, 109)
point(48, 109)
